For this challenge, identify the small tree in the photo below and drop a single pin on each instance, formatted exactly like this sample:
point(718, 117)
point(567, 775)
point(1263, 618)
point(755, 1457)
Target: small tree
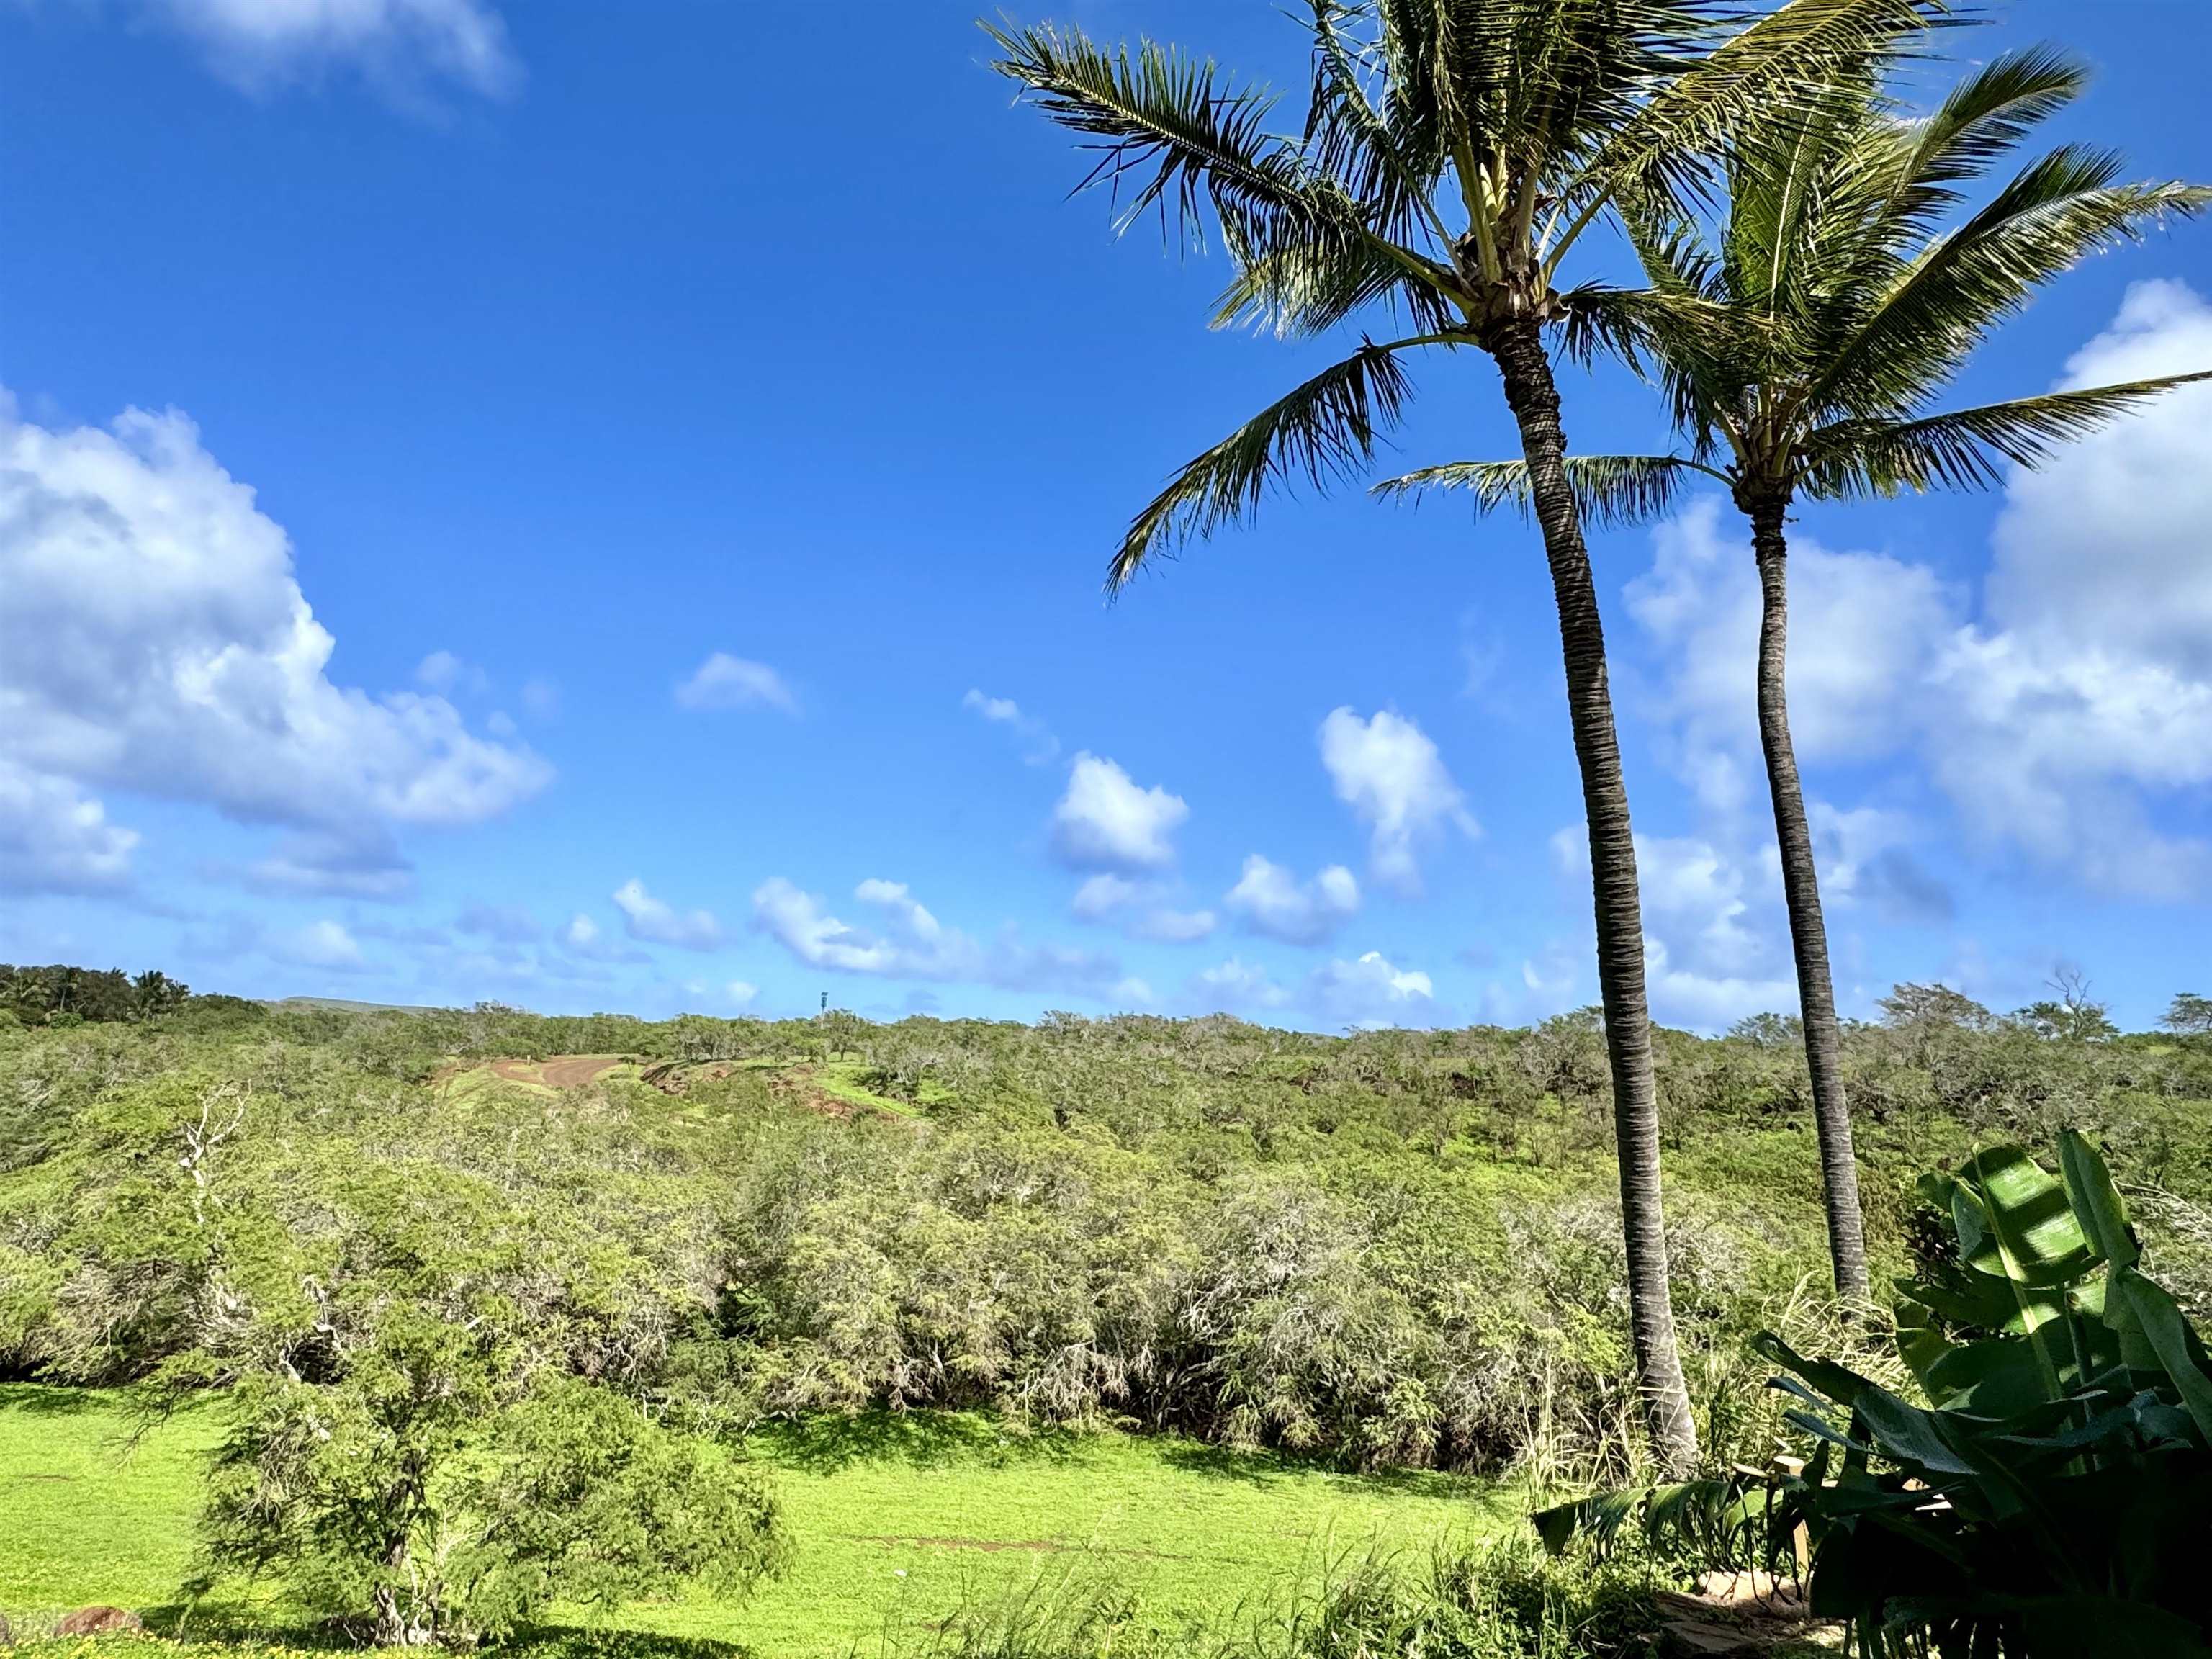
point(2188, 1014)
point(407, 1495)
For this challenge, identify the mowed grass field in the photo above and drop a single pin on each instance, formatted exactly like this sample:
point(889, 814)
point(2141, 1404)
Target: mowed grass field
point(899, 1521)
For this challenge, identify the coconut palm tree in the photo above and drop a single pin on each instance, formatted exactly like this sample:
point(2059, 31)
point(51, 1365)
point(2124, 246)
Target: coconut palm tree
point(1454, 154)
point(1831, 309)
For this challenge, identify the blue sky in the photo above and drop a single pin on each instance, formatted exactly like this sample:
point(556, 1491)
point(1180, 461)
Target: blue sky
point(551, 504)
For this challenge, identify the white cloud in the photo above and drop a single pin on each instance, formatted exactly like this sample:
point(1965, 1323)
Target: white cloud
point(797, 920)
point(2073, 720)
point(741, 994)
point(154, 638)
point(1862, 629)
point(1709, 956)
point(1142, 907)
point(1270, 900)
point(1235, 984)
point(348, 867)
point(255, 43)
point(1388, 772)
point(54, 839)
point(1105, 821)
point(1863, 859)
point(584, 940)
point(727, 682)
point(319, 944)
point(443, 672)
point(649, 920)
point(1370, 992)
point(1103, 894)
point(1172, 926)
point(1707, 1001)
point(1039, 746)
point(908, 942)
point(2104, 546)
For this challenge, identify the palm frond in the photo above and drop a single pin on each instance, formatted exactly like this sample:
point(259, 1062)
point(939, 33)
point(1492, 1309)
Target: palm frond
point(1610, 489)
point(1299, 289)
point(2059, 210)
point(1349, 138)
point(1991, 112)
point(1164, 125)
point(1963, 449)
point(1790, 56)
point(1323, 430)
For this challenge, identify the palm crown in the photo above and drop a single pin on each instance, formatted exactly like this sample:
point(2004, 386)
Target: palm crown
point(1452, 153)
point(1801, 341)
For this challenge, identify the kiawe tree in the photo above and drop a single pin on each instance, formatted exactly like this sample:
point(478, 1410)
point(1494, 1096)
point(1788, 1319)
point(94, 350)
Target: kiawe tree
point(1454, 154)
point(1799, 336)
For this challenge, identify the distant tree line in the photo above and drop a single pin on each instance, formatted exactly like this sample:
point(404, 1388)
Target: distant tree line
point(59, 995)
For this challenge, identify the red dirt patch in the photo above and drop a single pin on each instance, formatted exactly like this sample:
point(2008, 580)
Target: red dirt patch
point(578, 1071)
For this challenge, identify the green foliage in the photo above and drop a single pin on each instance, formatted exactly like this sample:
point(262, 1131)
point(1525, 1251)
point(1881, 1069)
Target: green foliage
point(583, 1499)
point(66, 996)
point(419, 1497)
point(1393, 1248)
point(1498, 1601)
point(901, 1520)
point(2050, 1497)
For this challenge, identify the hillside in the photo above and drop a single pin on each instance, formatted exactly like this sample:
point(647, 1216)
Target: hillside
point(1327, 1257)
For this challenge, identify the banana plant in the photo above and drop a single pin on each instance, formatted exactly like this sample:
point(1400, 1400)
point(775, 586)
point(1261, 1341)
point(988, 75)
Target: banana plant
point(2053, 1496)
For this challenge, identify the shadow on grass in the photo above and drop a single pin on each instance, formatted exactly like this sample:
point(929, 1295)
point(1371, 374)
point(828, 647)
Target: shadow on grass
point(822, 1445)
point(584, 1641)
point(1261, 1468)
point(50, 1399)
point(224, 1626)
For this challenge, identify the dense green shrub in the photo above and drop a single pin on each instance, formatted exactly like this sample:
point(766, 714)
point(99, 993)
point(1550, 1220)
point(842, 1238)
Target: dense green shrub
point(421, 1497)
point(1397, 1248)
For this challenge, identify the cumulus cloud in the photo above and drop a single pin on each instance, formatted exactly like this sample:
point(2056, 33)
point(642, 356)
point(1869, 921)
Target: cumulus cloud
point(1143, 909)
point(319, 944)
point(444, 673)
point(1716, 941)
point(1368, 991)
point(905, 940)
point(1865, 858)
point(1270, 899)
point(1105, 821)
point(585, 940)
point(2072, 719)
point(1237, 984)
point(363, 866)
point(54, 839)
point(256, 43)
point(651, 921)
point(1864, 628)
point(1388, 772)
point(1038, 746)
point(727, 682)
point(742, 993)
point(2105, 544)
point(154, 638)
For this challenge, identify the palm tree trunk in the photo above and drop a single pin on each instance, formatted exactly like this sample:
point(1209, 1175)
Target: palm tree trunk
point(1801, 891)
point(1518, 347)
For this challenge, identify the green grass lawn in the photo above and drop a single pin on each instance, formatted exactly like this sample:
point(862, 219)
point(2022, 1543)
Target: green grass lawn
point(897, 1522)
